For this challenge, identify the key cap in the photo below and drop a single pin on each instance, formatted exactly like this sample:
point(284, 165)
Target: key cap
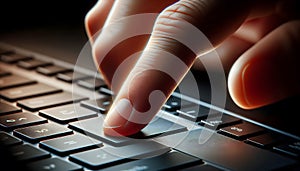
point(37, 133)
point(47, 101)
point(106, 91)
point(291, 148)
point(194, 113)
point(4, 73)
point(13, 57)
point(92, 84)
point(28, 153)
point(158, 127)
point(14, 81)
point(100, 105)
point(29, 91)
point(13, 121)
point(8, 140)
point(172, 104)
point(70, 144)
point(224, 151)
point(241, 131)
point(68, 113)
point(71, 77)
point(6, 108)
point(108, 156)
point(171, 161)
point(52, 70)
point(33, 64)
point(266, 140)
point(53, 164)
point(203, 167)
point(220, 122)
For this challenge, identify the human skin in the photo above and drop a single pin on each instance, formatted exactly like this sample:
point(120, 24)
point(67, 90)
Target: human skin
point(257, 42)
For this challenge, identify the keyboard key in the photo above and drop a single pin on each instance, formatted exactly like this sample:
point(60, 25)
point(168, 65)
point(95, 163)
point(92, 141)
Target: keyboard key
point(53, 164)
point(241, 131)
point(29, 91)
point(266, 140)
point(33, 64)
point(8, 140)
point(37, 133)
point(106, 91)
point(14, 81)
point(13, 121)
point(292, 148)
point(203, 167)
point(52, 70)
point(4, 73)
point(92, 84)
point(169, 161)
point(6, 108)
point(172, 104)
point(27, 153)
point(100, 105)
point(224, 151)
point(70, 144)
point(158, 127)
point(219, 122)
point(13, 57)
point(109, 156)
point(47, 101)
point(71, 76)
point(194, 113)
point(68, 113)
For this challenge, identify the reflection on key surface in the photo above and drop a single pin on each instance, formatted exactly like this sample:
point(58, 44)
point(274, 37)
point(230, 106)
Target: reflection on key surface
point(158, 127)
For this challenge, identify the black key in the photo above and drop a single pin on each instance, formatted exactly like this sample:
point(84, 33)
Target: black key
point(266, 140)
point(195, 112)
point(291, 148)
point(219, 122)
point(169, 161)
point(13, 57)
point(68, 113)
point(41, 132)
point(14, 81)
point(241, 131)
point(109, 156)
point(28, 91)
point(13, 121)
point(33, 64)
point(6, 108)
point(8, 140)
point(27, 153)
point(158, 127)
point(106, 91)
point(52, 70)
point(70, 144)
point(174, 103)
point(4, 73)
point(92, 84)
point(53, 100)
point(53, 164)
point(100, 105)
point(71, 76)
point(225, 152)
point(203, 167)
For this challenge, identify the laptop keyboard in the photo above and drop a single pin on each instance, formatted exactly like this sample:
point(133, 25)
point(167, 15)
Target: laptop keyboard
point(50, 128)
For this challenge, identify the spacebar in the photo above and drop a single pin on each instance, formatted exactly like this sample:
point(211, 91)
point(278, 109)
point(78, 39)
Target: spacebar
point(226, 152)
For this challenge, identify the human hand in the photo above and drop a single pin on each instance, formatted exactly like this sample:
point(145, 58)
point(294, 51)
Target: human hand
point(257, 42)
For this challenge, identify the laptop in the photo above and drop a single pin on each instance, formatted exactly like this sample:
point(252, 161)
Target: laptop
point(53, 102)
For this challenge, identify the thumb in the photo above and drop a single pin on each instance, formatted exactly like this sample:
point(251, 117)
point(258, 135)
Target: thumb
point(175, 43)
